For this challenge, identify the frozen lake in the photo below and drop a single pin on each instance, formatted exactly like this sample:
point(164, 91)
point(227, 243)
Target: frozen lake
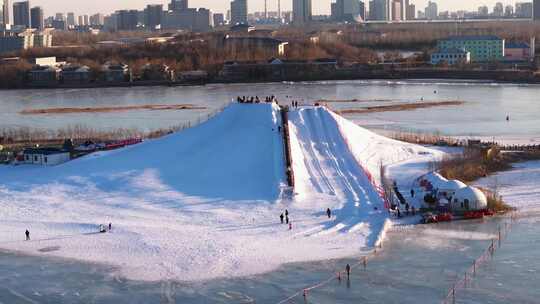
point(483, 114)
point(417, 265)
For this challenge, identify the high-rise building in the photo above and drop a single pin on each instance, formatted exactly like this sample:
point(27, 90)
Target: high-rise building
point(379, 10)
point(21, 13)
point(524, 9)
point(178, 5)
point(432, 11)
point(70, 20)
point(397, 10)
point(536, 10)
point(410, 12)
point(59, 17)
point(483, 11)
point(36, 18)
point(509, 11)
point(498, 9)
point(6, 15)
point(191, 19)
point(96, 20)
point(219, 19)
point(153, 15)
point(302, 12)
point(86, 20)
point(348, 11)
point(239, 12)
point(127, 20)
point(80, 20)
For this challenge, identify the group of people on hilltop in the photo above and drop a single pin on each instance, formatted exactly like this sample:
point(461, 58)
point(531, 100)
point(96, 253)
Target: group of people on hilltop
point(256, 99)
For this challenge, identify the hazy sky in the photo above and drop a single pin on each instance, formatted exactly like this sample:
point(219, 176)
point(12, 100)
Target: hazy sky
point(319, 6)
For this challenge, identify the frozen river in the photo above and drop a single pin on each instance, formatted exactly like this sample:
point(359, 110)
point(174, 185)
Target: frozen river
point(483, 114)
point(417, 265)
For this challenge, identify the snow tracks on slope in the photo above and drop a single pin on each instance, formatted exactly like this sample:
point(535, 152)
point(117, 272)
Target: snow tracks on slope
point(328, 174)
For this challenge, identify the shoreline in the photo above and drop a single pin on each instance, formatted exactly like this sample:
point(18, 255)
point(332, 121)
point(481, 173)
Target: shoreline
point(495, 76)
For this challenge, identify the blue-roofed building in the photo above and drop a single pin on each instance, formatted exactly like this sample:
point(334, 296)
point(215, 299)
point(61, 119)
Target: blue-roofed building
point(451, 56)
point(482, 48)
point(518, 51)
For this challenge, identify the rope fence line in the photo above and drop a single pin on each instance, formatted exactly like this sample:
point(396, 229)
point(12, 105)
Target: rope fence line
point(363, 262)
point(485, 257)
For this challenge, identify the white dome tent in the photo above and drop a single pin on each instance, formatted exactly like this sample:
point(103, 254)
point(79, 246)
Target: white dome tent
point(469, 199)
point(449, 188)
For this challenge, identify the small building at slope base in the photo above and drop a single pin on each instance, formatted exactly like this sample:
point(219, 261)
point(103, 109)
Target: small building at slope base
point(45, 156)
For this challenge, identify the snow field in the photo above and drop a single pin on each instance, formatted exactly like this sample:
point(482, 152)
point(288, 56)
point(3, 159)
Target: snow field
point(204, 203)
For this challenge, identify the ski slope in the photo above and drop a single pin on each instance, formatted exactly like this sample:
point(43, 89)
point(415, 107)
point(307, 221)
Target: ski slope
point(204, 203)
point(332, 159)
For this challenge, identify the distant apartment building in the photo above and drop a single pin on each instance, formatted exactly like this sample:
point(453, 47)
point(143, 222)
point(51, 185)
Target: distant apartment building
point(483, 11)
point(43, 38)
point(96, 20)
point(498, 10)
point(59, 25)
point(70, 20)
point(348, 11)
point(6, 12)
point(11, 41)
point(271, 46)
point(524, 10)
point(451, 57)
point(127, 20)
point(410, 12)
point(239, 12)
point(21, 14)
point(36, 18)
point(153, 16)
point(379, 10)
point(190, 19)
point(509, 11)
point(482, 48)
point(536, 10)
point(219, 19)
point(432, 11)
point(178, 5)
point(397, 10)
point(302, 12)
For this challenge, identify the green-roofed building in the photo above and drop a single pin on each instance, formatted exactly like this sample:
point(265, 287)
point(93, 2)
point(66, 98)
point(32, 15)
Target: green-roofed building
point(482, 48)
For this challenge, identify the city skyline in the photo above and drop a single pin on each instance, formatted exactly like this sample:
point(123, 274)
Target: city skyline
point(51, 7)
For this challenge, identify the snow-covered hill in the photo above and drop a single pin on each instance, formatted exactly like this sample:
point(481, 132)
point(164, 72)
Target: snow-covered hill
point(205, 202)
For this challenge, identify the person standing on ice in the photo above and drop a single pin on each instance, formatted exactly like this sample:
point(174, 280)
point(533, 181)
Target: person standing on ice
point(329, 212)
point(27, 234)
point(286, 212)
point(290, 225)
point(286, 219)
point(348, 270)
point(110, 226)
point(412, 192)
point(281, 217)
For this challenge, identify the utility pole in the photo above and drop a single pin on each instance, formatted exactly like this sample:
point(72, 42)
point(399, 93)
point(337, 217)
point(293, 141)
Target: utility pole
point(265, 10)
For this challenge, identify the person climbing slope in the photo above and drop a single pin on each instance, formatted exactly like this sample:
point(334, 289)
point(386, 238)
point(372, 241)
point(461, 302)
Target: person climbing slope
point(329, 212)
